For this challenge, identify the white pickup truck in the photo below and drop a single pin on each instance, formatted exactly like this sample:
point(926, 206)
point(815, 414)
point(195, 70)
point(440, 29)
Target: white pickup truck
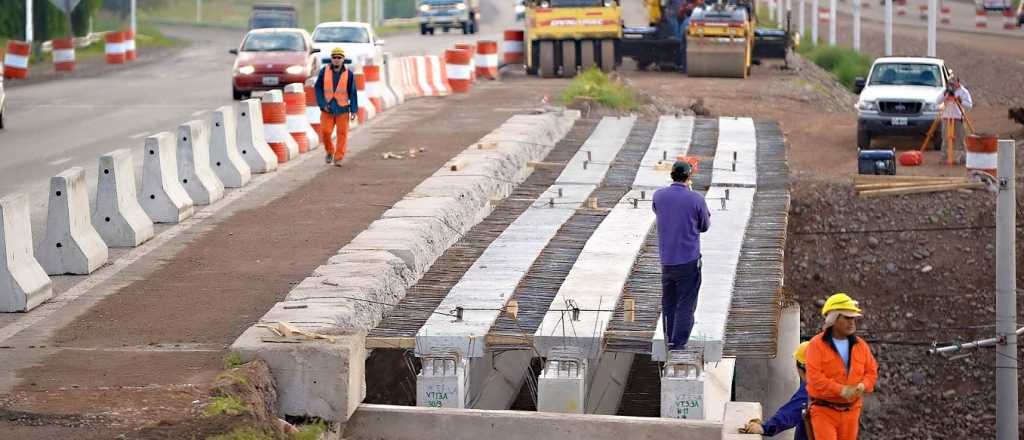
point(900, 97)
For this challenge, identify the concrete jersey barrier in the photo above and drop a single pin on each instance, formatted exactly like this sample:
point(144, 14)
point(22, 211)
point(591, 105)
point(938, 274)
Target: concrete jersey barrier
point(119, 218)
point(193, 156)
point(163, 197)
point(251, 142)
point(225, 160)
point(23, 282)
point(71, 244)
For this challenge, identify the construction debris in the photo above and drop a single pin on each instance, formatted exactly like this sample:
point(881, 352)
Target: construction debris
point(881, 185)
point(288, 333)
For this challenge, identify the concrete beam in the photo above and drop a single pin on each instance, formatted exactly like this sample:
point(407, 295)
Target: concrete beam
point(700, 396)
point(671, 139)
point(373, 422)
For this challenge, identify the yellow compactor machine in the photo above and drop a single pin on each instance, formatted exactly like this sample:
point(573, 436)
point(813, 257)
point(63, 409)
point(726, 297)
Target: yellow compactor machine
point(563, 36)
point(720, 41)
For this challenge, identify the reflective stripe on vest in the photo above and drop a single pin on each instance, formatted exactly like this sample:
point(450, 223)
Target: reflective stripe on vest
point(339, 93)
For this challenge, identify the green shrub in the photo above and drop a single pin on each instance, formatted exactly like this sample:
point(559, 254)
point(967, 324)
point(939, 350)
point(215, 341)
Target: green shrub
point(226, 405)
point(244, 434)
point(594, 85)
point(310, 432)
point(844, 63)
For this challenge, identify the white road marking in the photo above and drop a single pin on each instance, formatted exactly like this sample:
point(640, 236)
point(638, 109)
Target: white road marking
point(139, 135)
point(61, 160)
point(198, 112)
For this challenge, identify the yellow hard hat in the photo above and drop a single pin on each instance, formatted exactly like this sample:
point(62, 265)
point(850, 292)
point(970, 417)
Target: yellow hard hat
point(337, 51)
point(841, 302)
point(800, 355)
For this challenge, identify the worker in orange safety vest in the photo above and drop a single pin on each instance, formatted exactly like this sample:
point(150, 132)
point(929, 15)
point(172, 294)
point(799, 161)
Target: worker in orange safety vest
point(840, 369)
point(336, 95)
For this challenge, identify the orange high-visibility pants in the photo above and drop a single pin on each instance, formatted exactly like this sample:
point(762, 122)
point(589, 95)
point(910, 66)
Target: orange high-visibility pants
point(328, 124)
point(830, 424)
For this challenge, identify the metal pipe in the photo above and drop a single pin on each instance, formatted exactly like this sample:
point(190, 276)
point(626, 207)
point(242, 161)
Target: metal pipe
point(832, 22)
point(815, 18)
point(856, 25)
point(888, 28)
point(969, 345)
point(1007, 418)
point(933, 14)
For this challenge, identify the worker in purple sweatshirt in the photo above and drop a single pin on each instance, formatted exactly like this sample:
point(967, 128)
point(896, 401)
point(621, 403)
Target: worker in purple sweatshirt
point(682, 216)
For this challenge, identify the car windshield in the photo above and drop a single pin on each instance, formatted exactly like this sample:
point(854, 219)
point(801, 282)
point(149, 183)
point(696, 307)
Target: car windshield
point(338, 34)
point(575, 3)
point(273, 42)
point(906, 74)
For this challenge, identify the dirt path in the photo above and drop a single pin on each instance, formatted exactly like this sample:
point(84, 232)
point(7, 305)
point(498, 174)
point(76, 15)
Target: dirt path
point(145, 352)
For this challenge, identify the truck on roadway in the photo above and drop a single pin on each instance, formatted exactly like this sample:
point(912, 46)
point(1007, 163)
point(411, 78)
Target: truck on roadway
point(448, 14)
point(901, 96)
point(272, 15)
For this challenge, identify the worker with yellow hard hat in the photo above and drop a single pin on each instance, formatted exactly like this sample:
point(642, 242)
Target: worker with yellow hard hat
point(335, 92)
point(840, 369)
point(790, 415)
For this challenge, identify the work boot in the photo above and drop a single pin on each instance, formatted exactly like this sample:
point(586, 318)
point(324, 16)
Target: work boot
point(337, 163)
point(329, 158)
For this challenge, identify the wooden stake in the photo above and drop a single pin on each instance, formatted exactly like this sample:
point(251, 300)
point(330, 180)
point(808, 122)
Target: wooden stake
point(922, 189)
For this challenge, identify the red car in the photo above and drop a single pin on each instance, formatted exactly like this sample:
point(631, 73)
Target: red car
point(271, 59)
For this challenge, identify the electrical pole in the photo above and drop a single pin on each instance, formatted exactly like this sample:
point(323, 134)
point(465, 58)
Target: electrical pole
point(832, 22)
point(359, 10)
point(28, 21)
point(1006, 295)
point(856, 25)
point(135, 17)
point(344, 10)
point(888, 28)
point(815, 18)
point(199, 11)
point(933, 6)
point(802, 18)
point(316, 12)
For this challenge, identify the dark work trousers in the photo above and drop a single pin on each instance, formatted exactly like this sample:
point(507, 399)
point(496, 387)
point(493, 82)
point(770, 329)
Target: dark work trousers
point(680, 285)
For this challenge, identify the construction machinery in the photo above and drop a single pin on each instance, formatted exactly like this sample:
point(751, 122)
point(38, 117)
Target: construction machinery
point(563, 36)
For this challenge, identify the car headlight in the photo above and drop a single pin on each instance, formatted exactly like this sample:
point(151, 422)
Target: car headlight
point(246, 70)
point(931, 107)
point(425, 8)
point(293, 70)
point(460, 6)
point(520, 9)
point(867, 106)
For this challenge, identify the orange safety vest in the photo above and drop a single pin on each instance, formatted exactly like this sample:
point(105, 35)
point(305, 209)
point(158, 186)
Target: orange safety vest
point(826, 373)
point(339, 93)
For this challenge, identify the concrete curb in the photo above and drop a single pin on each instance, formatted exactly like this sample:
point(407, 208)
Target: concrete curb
point(353, 290)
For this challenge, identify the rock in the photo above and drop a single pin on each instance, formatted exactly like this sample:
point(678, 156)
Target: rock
point(948, 394)
point(852, 250)
point(873, 242)
point(927, 268)
point(891, 267)
point(908, 315)
point(819, 302)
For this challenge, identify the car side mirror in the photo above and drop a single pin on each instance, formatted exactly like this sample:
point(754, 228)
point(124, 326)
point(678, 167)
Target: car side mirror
point(381, 42)
point(233, 51)
point(315, 50)
point(858, 85)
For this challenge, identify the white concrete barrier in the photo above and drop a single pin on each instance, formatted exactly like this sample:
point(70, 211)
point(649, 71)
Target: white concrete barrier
point(225, 160)
point(251, 142)
point(71, 244)
point(194, 171)
point(393, 78)
point(23, 282)
point(163, 197)
point(119, 218)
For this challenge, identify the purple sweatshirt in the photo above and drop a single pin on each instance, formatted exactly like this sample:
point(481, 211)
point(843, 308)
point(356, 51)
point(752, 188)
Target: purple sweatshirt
point(682, 216)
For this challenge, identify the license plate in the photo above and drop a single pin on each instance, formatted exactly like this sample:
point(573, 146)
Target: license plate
point(273, 81)
point(899, 121)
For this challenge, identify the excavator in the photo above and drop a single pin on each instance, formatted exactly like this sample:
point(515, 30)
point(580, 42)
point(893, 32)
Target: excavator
point(722, 39)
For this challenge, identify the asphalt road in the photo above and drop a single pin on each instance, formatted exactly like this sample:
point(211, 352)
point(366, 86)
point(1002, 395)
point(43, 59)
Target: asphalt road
point(52, 126)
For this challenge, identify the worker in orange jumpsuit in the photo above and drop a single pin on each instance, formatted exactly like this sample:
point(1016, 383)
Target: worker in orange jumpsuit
point(840, 369)
point(336, 95)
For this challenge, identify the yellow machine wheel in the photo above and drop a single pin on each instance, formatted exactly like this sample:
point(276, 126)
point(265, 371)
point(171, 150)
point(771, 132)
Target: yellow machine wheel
point(607, 55)
point(547, 59)
point(568, 58)
point(587, 54)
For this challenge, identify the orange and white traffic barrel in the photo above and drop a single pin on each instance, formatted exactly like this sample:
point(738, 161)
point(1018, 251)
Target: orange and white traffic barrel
point(129, 45)
point(312, 107)
point(63, 54)
point(945, 15)
point(923, 11)
point(16, 60)
point(487, 59)
point(901, 7)
point(438, 75)
point(362, 102)
point(457, 62)
point(512, 47)
point(982, 153)
point(1009, 19)
point(472, 57)
point(295, 109)
point(115, 47)
point(372, 75)
point(275, 124)
point(823, 15)
point(980, 18)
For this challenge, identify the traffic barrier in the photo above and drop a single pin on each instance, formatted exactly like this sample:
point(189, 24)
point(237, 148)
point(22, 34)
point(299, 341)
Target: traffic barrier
point(391, 80)
point(439, 75)
point(16, 60)
point(23, 282)
point(225, 159)
point(513, 48)
point(1009, 19)
point(251, 141)
point(487, 59)
point(71, 244)
point(923, 11)
point(119, 218)
point(163, 197)
point(945, 15)
point(63, 54)
point(275, 128)
point(366, 109)
point(371, 75)
point(114, 47)
point(412, 78)
point(823, 15)
point(193, 157)
point(312, 108)
point(295, 119)
point(980, 18)
point(129, 45)
point(472, 59)
point(901, 7)
point(982, 153)
point(457, 62)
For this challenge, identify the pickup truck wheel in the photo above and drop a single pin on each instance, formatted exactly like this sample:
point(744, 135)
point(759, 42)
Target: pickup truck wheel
point(423, 29)
point(466, 28)
point(863, 139)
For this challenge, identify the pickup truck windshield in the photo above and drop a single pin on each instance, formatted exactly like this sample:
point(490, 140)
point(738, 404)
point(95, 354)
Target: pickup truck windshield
point(576, 3)
point(906, 74)
point(341, 35)
point(272, 42)
point(272, 20)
